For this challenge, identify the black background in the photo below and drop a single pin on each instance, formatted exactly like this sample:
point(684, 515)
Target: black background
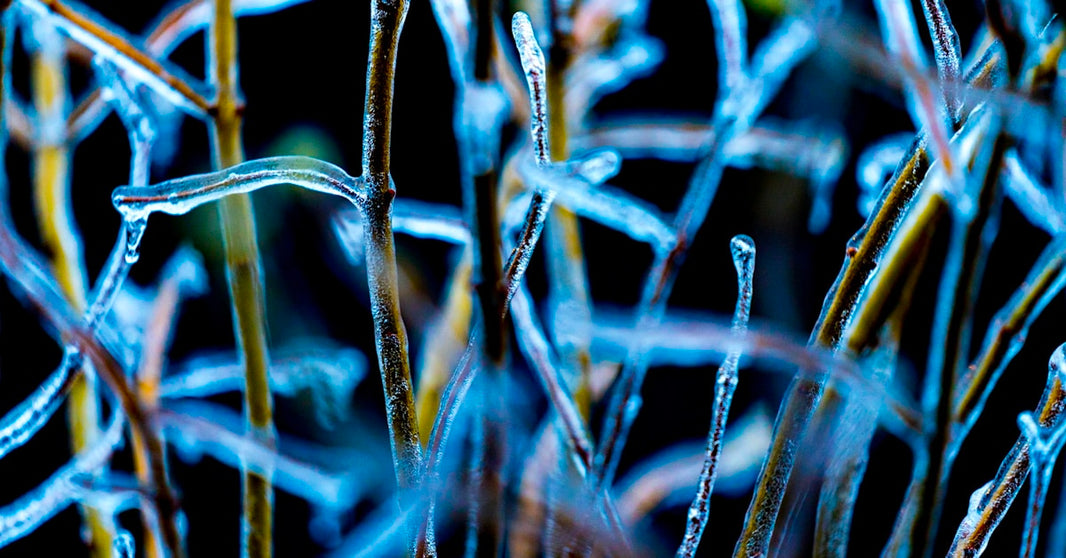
point(302, 74)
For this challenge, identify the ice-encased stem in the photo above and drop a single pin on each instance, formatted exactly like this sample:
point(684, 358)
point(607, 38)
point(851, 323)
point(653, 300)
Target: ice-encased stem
point(1044, 448)
point(866, 251)
point(387, 18)
point(166, 79)
point(25, 514)
point(245, 277)
point(1007, 332)
point(181, 195)
point(946, 50)
point(743, 250)
point(988, 510)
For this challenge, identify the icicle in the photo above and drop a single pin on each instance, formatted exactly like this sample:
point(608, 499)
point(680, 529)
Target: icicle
point(742, 248)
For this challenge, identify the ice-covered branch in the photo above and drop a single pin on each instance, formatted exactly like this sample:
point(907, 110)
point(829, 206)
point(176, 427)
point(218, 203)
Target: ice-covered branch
point(742, 248)
point(169, 81)
point(181, 195)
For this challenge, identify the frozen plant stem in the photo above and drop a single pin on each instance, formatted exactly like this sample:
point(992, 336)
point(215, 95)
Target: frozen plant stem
point(245, 277)
point(743, 250)
point(487, 512)
point(162, 77)
point(988, 509)
point(387, 17)
point(51, 186)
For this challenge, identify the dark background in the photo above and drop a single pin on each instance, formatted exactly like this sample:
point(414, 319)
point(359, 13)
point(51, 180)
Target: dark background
point(302, 73)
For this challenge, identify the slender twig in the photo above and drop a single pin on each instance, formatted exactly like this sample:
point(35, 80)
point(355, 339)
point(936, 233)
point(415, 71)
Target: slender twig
point(743, 250)
point(387, 19)
point(866, 252)
point(971, 239)
point(245, 276)
point(993, 500)
point(24, 268)
point(479, 160)
point(51, 177)
point(170, 30)
point(168, 80)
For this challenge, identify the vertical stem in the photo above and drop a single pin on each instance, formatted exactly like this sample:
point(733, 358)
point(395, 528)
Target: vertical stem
point(567, 262)
point(51, 187)
point(387, 17)
point(488, 510)
point(969, 248)
point(244, 275)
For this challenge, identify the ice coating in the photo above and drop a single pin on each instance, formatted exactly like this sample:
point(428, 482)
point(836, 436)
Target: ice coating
point(482, 114)
point(591, 79)
point(330, 374)
point(20, 423)
point(731, 42)
point(1045, 443)
point(188, 98)
point(946, 51)
point(742, 248)
point(122, 546)
point(924, 102)
point(29, 511)
point(453, 18)
point(198, 428)
point(1033, 199)
point(577, 186)
point(1044, 281)
point(181, 195)
point(774, 59)
point(532, 59)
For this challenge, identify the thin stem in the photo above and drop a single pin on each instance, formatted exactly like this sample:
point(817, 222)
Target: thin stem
point(55, 219)
point(865, 254)
point(479, 160)
point(971, 241)
point(444, 343)
point(387, 19)
point(245, 278)
point(169, 81)
point(743, 250)
point(988, 508)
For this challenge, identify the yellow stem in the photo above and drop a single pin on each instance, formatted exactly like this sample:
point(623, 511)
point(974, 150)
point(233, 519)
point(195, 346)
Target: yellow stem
point(51, 186)
point(245, 277)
